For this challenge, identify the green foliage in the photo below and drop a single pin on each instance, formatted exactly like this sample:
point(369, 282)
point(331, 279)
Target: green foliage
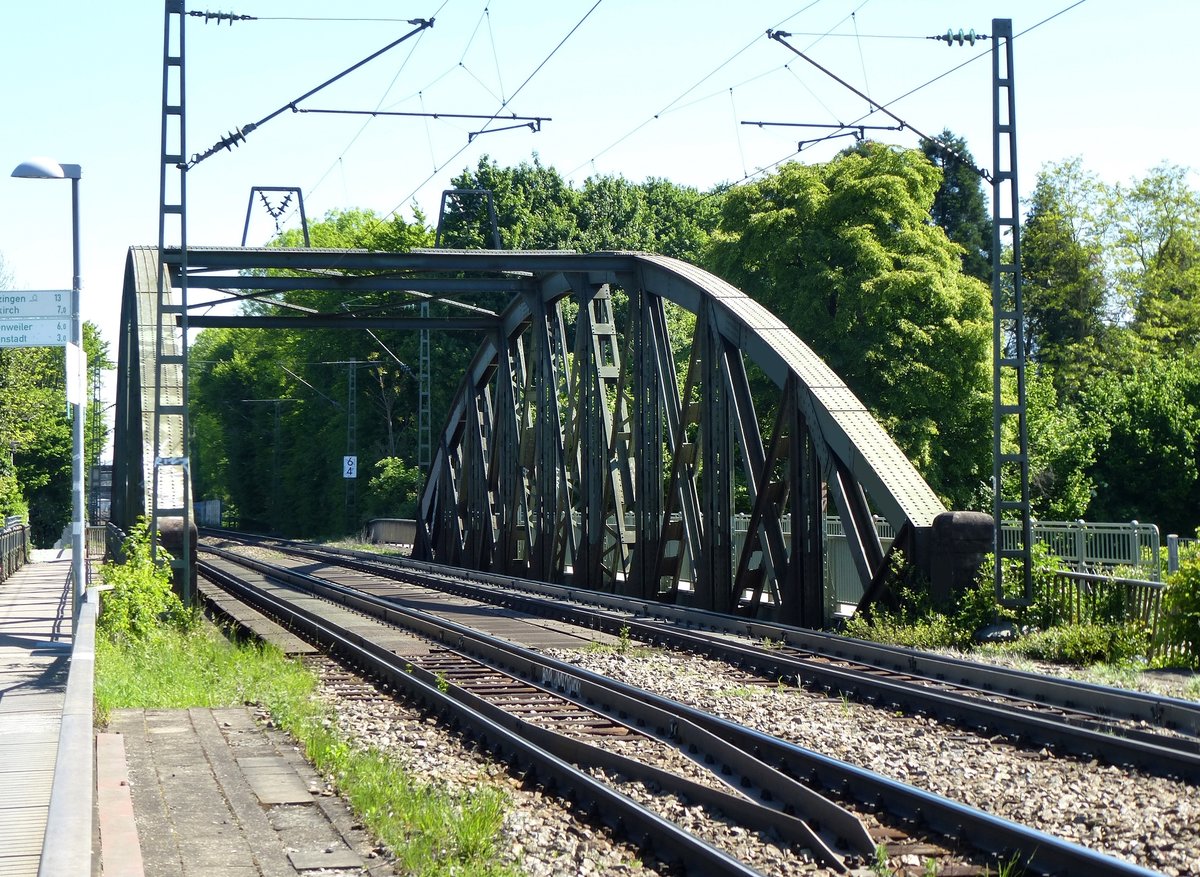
point(1148, 465)
point(537, 209)
point(959, 206)
point(1065, 287)
point(1046, 608)
point(934, 630)
point(1083, 644)
point(140, 600)
point(35, 433)
point(1052, 628)
point(1179, 624)
point(393, 490)
point(1062, 448)
point(912, 620)
point(95, 431)
point(1157, 251)
point(172, 668)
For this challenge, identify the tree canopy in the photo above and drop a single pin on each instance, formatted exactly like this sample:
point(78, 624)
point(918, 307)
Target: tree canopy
point(35, 433)
point(875, 258)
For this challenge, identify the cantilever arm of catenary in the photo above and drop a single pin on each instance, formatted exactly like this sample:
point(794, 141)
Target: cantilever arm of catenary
point(237, 136)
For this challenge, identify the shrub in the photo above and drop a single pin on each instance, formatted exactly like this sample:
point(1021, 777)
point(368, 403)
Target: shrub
point(1179, 620)
point(140, 598)
point(1084, 643)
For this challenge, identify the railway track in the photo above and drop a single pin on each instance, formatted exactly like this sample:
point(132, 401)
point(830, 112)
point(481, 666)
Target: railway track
point(1151, 733)
point(761, 782)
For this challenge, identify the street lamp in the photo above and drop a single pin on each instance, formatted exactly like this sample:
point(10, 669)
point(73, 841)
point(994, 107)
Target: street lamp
point(48, 169)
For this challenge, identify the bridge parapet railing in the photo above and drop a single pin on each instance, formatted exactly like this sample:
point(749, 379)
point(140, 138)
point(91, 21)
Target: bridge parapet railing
point(1081, 546)
point(1088, 546)
point(14, 547)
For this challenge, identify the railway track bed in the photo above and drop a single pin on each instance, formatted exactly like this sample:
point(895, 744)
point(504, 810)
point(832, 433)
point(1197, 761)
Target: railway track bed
point(739, 691)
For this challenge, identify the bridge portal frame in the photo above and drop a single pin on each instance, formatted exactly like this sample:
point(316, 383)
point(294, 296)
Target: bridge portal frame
point(587, 443)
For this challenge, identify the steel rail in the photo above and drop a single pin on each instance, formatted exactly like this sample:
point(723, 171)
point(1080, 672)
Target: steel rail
point(749, 775)
point(667, 840)
point(1039, 851)
point(1170, 713)
point(1089, 735)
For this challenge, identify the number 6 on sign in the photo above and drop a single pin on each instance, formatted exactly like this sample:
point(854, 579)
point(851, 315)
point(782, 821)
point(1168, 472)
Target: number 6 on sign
point(349, 467)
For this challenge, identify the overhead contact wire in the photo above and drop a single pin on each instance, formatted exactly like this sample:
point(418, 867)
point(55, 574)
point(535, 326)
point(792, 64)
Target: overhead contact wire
point(495, 115)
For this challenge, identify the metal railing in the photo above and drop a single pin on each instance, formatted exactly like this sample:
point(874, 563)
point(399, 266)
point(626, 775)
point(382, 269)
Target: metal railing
point(1084, 598)
point(1086, 546)
point(14, 547)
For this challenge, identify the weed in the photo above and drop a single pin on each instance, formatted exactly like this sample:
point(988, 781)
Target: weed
point(139, 597)
point(442, 684)
point(623, 639)
point(880, 864)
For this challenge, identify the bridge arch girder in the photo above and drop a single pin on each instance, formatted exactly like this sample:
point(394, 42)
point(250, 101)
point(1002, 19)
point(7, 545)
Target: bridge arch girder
point(591, 442)
point(576, 450)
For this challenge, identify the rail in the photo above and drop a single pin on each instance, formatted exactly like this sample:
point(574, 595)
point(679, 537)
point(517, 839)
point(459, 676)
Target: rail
point(1045, 854)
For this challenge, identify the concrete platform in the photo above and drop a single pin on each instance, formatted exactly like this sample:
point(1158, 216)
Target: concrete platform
point(215, 793)
point(35, 653)
point(176, 792)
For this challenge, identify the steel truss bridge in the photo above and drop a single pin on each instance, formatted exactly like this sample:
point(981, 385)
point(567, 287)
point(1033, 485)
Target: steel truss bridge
point(617, 413)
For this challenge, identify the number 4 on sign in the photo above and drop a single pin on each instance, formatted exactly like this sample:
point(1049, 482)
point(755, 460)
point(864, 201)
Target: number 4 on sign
point(349, 467)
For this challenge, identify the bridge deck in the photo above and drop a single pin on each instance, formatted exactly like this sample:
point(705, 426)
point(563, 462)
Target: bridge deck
point(35, 651)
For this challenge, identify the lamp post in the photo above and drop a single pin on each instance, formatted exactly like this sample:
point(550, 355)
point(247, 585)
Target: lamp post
point(47, 169)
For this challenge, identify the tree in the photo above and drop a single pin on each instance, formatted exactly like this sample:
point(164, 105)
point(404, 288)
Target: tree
point(1066, 291)
point(959, 206)
point(1148, 465)
point(537, 209)
point(1062, 451)
point(845, 254)
point(1157, 250)
point(393, 490)
point(37, 435)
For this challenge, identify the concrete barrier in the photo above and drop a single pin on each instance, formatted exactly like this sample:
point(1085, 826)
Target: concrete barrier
point(393, 531)
point(67, 845)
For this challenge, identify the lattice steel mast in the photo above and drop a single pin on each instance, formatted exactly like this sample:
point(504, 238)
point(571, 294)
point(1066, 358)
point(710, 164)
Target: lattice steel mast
point(1008, 325)
point(170, 491)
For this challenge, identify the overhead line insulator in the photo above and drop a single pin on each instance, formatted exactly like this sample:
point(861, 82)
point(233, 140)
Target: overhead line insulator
point(218, 17)
point(950, 37)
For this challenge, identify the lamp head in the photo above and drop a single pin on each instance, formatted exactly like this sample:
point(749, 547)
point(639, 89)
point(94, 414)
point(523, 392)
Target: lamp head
point(42, 168)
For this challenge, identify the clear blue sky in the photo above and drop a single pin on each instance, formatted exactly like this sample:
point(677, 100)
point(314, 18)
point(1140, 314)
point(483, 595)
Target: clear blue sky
point(642, 88)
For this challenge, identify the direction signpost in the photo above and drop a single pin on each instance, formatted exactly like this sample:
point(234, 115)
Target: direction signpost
point(34, 333)
point(48, 318)
point(28, 304)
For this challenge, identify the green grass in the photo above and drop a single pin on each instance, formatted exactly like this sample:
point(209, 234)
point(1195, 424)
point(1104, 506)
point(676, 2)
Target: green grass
point(433, 831)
